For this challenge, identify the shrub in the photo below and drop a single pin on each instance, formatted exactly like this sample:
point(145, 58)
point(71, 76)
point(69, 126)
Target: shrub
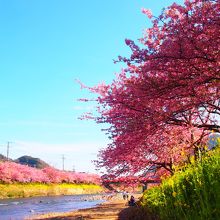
point(192, 193)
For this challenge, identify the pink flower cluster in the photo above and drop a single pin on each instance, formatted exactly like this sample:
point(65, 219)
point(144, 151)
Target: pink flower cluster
point(12, 172)
point(147, 12)
point(162, 106)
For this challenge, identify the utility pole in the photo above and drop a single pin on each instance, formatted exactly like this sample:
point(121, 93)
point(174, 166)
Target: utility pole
point(63, 158)
point(8, 146)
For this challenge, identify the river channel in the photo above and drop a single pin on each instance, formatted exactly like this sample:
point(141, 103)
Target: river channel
point(19, 209)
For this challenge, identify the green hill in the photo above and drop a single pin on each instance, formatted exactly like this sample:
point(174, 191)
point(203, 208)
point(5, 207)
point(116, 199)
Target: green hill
point(32, 162)
point(3, 158)
point(27, 160)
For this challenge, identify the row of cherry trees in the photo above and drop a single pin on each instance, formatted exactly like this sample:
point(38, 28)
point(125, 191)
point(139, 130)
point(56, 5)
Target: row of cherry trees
point(164, 104)
point(12, 172)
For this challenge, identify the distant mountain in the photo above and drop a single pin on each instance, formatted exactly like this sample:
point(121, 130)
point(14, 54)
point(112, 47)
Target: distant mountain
point(2, 158)
point(213, 140)
point(32, 162)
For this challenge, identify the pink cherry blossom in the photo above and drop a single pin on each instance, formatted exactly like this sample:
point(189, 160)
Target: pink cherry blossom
point(147, 12)
point(166, 100)
point(12, 172)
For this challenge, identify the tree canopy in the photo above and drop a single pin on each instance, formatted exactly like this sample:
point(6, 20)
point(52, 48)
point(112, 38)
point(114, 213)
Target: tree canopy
point(166, 101)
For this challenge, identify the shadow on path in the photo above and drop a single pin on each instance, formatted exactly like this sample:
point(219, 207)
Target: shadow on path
point(104, 212)
point(134, 213)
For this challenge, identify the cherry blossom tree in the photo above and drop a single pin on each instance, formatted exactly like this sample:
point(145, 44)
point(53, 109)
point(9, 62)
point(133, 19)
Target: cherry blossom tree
point(165, 102)
point(11, 172)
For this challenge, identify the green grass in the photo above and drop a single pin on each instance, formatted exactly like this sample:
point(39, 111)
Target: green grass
point(19, 190)
point(190, 194)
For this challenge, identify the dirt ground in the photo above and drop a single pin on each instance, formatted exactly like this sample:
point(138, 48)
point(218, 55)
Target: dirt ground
point(114, 209)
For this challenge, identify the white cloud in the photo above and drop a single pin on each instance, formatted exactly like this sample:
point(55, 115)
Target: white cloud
point(78, 154)
point(51, 124)
point(36, 147)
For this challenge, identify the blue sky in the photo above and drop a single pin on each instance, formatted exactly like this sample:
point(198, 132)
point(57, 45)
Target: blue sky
point(44, 46)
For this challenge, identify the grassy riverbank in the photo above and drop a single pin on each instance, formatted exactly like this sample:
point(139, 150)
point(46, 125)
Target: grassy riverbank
point(191, 193)
point(21, 190)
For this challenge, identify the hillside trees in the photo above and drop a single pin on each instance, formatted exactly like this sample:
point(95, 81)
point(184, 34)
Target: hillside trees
point(11, 172)
point(166, 101)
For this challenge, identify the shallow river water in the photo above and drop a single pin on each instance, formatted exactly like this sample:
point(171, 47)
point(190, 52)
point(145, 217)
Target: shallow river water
point(18, 209)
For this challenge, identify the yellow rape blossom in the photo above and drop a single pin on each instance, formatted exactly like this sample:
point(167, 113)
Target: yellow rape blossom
point(174, 194)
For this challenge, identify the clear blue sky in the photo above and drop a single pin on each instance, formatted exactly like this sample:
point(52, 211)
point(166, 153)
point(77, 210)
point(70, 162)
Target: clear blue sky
point(44, 46)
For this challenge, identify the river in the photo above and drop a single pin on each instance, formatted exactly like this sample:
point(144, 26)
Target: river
point(18, 209)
